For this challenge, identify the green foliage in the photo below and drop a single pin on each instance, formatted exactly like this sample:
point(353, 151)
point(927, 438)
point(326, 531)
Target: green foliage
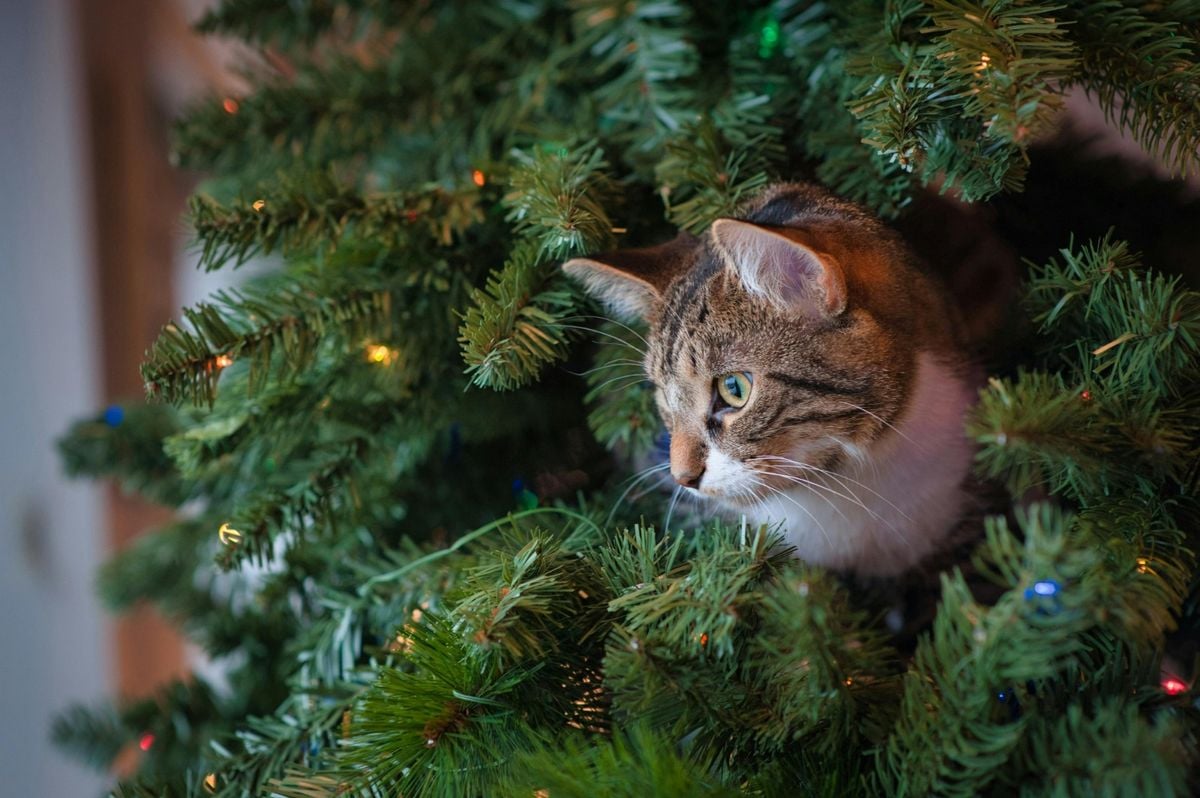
point(517, 322)
point(957, 727)
point(93, 736)
point(276, 327)
point(448, 714)
point(130, 451)
point(704, 178)
point(1134, 59)
point(633, 764)
point(1145, 327)
point(643, 61)
point(1038, 431)
point(961, 97)
point(449, 595)
point(558, 199)
point(311, 214)
point(1120, 414)
point(829, 675)
point(1139, 757)
point(292, 23)
point(311, 723)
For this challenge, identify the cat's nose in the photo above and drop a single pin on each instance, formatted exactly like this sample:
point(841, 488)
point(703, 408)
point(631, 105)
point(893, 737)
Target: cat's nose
point(689, 479)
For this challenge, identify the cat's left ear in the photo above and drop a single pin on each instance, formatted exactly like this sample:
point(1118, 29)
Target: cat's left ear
point(781, 265)
point(632, 282)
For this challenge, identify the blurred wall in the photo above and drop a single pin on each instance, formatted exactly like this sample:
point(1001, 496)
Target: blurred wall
point(53, 635)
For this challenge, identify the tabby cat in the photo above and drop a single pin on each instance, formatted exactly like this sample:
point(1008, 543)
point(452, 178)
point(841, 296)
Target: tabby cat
point(810, 373)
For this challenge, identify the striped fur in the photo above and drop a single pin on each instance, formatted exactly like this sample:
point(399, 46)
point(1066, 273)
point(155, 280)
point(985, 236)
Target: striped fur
point(852, 436)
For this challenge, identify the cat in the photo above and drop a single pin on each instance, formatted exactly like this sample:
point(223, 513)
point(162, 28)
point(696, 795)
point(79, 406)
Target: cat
point(811, 373)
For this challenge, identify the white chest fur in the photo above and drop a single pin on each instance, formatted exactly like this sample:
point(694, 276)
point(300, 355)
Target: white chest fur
point(887, 508)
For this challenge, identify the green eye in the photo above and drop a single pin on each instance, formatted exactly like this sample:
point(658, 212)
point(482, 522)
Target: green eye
point(734, 388)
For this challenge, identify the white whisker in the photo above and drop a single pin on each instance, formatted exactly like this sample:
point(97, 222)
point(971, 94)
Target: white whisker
point(671, 508)
point(640, 476)
point(633, 379)
point(817, 486)
point(883, 421)
point(802, 508)
point(619, 324)
point(616, 338)
point(608, 365)
point(841, 478)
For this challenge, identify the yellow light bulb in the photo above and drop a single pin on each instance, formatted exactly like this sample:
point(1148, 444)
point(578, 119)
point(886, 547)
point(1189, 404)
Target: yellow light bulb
point(478, 178)
point(223, 361)
point(258, 205)
point(378, 353)
point(229, 536)
point(210, 782)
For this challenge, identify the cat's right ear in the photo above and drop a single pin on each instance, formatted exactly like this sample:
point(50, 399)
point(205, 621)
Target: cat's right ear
point(632, 282)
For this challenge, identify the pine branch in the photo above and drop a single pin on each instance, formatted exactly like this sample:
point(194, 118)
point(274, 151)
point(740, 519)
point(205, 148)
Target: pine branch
point(414, 107)
point(953, 736)
point(697, 609)
point(314, 213)
point(828, 675)
point(1145, 72)
point(190, 786)
point(1145, 574)
point(642, 61)
point(171, 728)
point(147, 569)
point(126, 442)
point(305, 731)
point(516, 325)
point(633, 763)
point(1108, 749)
point(300, 509)
point(1150, 339)
point(1145, 328)
point(682, 653)
point(1088, 276)
point(450, 725)
point(533, 601)
point(277, 326)
point(519, 603)
point(319, 117)
point(959, 101)
point(817, 45)
point(94, 736)
point(1012, 54)
point(702, 177)
point(270, 22)
point(558, 198)
point(1037, 432)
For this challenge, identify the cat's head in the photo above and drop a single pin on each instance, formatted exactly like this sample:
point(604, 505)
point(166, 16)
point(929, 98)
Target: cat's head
point(787, 336)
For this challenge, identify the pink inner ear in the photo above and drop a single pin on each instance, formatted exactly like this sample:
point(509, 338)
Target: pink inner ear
point(779, 269)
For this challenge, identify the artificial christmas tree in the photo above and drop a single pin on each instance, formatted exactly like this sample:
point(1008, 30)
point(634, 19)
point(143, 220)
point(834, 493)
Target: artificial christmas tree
point(424, 435)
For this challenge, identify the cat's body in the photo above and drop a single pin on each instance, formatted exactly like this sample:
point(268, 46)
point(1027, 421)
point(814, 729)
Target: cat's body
point(810, 374)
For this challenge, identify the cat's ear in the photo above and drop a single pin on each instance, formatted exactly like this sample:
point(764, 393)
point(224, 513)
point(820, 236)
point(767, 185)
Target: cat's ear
point(632, 281)
point(781, 265)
